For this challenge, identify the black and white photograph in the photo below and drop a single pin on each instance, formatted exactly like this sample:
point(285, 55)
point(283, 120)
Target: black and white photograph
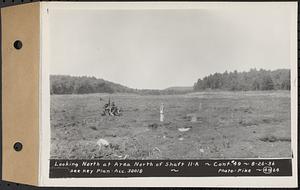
point(170, 84)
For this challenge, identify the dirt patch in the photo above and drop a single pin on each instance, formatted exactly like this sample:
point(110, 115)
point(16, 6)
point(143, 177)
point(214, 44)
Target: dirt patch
point(153, 126)
point(247, 122)
point(272, 138)
point(94, 128)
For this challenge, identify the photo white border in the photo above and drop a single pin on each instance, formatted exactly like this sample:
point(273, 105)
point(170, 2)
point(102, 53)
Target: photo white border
point(44, 179)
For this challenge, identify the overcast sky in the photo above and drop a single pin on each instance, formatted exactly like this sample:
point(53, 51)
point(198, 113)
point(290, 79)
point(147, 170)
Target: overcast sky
point(156, 49)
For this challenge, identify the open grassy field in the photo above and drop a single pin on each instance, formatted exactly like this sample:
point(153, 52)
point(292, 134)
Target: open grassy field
point(228, 125)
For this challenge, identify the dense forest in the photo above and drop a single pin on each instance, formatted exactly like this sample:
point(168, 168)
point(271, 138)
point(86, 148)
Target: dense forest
point(64, 84)
point(239, 81)
point(243, 81)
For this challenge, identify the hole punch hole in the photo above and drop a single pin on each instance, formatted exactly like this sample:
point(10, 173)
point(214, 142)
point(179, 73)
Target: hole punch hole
point(18, 146)
point(18, 44)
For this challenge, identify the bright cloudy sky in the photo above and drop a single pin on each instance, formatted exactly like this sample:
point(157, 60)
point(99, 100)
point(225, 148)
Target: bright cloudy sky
point(156, 49)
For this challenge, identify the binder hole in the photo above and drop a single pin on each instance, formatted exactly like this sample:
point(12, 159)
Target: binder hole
point(18, 44)
point(18, 146)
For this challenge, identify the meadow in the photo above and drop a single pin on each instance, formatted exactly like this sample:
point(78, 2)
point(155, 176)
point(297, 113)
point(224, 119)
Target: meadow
point(200, 125)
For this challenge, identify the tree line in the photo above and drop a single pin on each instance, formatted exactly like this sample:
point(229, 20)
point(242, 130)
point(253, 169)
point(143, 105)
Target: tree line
point(238, 81)
point(65, 84)
point(243, 81)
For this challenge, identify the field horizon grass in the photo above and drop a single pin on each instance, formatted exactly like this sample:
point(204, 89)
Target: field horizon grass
point(198, 125)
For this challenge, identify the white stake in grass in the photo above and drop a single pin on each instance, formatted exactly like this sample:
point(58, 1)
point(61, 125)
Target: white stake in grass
point(194, 118)
point(161, 112)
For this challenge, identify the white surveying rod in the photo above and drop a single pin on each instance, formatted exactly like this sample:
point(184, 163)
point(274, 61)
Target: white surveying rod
point(161, 112)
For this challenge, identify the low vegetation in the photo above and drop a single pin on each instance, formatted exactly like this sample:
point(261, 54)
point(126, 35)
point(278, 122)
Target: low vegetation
point(198, 125)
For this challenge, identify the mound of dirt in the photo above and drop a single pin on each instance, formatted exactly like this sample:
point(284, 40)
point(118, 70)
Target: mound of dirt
point(153, 126)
